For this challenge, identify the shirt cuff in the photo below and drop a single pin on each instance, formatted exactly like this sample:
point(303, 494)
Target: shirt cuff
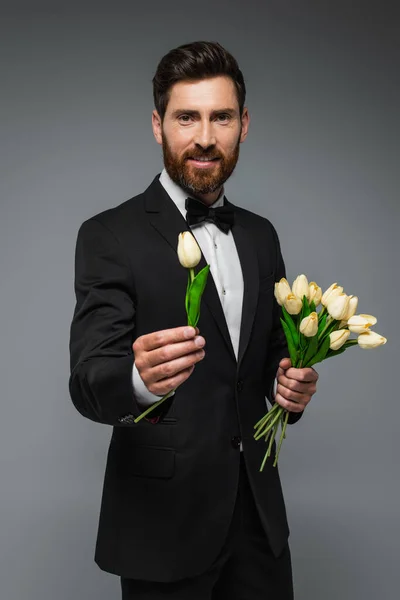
point(143, 397)
point(274, 388)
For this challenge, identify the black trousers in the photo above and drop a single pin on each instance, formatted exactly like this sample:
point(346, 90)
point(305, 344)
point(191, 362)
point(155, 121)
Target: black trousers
point(245, 569)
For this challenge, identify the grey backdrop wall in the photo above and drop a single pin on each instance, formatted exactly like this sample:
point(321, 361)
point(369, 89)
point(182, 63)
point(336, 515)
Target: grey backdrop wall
point(321, 162)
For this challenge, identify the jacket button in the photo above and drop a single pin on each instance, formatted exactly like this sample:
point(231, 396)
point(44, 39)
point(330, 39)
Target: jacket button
point(239, 385)
point(235, 441)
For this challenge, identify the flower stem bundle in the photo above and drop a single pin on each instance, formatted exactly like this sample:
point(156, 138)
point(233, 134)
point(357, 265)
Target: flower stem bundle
point(313, 337)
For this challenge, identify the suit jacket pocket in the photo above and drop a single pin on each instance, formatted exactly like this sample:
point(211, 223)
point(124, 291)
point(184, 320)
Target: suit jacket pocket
point(151, 461)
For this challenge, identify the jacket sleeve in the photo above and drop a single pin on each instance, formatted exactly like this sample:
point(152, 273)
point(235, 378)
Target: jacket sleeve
point(277, 348)
point(103, 330)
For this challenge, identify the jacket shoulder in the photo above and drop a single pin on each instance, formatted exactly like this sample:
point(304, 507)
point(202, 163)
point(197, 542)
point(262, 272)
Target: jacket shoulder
point(256, 221)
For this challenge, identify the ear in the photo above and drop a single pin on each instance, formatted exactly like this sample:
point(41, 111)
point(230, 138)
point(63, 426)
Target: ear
point(245, 124)
point(157, 126)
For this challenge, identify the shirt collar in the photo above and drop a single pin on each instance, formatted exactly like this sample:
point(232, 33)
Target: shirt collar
point(179, 195)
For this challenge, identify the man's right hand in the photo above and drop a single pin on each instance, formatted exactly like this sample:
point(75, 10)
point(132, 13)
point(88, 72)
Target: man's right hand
point(166, 358)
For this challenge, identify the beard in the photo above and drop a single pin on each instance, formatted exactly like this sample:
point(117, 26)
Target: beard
point(197, 180)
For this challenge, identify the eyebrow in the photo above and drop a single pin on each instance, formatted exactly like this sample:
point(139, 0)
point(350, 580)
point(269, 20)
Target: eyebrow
point(196, 113)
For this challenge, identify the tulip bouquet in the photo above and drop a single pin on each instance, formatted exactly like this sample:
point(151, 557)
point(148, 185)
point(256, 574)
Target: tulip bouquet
point(314, 336)
point(189, 255)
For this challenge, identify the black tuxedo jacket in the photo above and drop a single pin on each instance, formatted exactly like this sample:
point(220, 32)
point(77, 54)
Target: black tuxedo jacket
point(170, 487)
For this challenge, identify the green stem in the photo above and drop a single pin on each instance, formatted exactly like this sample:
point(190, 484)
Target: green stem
point(271, 438)
point(272, 435)
point(266, 417)
point(327, 325)
point(192, 275)
point(153, 406)
point(283, 432)
point(258, 434)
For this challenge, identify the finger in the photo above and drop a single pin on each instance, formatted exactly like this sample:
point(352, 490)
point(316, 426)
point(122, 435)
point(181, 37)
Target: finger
point(169, 369)
point(164, 386)
point(154, 340)
point(302, 387)
point(285, 363)
point(292, 395)
point(306, 374)
point(170, 352)
point(288, 404)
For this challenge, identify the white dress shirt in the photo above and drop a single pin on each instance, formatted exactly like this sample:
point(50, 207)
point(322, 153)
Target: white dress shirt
point(220, 252)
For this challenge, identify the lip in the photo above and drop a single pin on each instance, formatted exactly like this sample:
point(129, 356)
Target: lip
point(201, 164)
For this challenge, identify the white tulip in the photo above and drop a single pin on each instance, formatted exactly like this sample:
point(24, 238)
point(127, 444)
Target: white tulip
point(292, 304)
point(361, 323)
point(338, 306)
point(370, 339)
point(189, 252)
point(282, 289)
point(338, 338)
point(352, 307)
point(300, 287)
point(332, 291)
point(315, 293)
point(309, 325)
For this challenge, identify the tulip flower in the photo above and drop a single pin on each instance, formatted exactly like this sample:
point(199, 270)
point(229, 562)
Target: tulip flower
point(309, 325)
point(338, 338)
point(352, 307)
point(282, 289)
point(293, 304)
point(189, 252)
point(300, 287)
point(370, 339)
point(339, 306)
point(312, 337)
point(332, 291)
point(189, 255)
point(361, 323)
point(315, 293)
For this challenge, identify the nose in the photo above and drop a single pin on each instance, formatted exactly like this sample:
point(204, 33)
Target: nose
point(205, 136)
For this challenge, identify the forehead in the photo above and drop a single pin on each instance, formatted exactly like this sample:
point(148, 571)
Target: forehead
point(205, 94)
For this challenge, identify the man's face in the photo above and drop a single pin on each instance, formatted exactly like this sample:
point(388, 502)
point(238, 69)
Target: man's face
point(202, 121)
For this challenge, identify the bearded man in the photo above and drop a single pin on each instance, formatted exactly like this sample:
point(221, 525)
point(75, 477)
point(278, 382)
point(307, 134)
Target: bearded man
point(185, 512)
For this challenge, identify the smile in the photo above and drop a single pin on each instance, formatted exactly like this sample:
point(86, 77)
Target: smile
point(203, 163)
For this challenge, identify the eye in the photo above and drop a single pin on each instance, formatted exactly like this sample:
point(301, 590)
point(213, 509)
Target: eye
point(184, 118)
point(224, 117)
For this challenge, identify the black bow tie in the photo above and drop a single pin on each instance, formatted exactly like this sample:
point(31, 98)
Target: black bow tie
point(197, 212)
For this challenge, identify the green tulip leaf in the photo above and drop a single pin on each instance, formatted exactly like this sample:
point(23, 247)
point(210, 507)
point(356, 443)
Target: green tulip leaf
point(195, 293)
point(289, 339)
point(322, 323)
point(335, 352)
point(305, 311)
point(321, 354)
point(311, 349)
point(303, 341)
point(292, 327)
point(312, 306)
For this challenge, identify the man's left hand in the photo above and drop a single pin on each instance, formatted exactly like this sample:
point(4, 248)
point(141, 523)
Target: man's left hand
point(295, 387)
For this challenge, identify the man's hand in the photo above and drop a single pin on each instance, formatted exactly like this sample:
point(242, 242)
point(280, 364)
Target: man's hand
point(295, 386)
point(166, 358)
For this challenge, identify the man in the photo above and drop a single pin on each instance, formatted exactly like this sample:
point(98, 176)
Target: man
point(185, 512)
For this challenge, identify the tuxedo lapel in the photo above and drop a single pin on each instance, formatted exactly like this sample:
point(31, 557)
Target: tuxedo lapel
point(166, 218)
point(249, 264)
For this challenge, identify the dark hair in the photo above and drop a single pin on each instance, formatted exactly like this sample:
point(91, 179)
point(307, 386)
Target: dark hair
point(191, 62)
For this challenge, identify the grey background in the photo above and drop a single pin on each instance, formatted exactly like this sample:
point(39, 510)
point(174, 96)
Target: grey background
point(320, 161)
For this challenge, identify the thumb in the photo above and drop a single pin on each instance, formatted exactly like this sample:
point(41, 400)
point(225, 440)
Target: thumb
point(285, 363)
